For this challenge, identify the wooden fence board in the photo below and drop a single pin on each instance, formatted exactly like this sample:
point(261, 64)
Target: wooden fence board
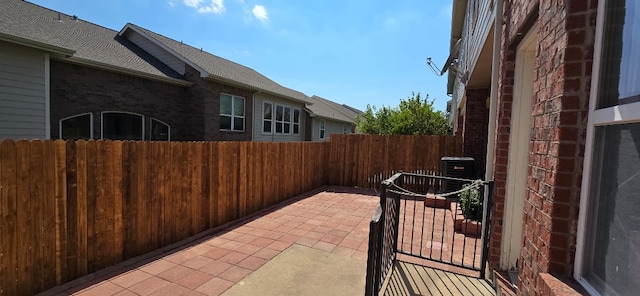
point(76, 207)
point(106, 202)
point(128, 201)
point(8, 212)
point(144, 199)
point(36, 229)
point(195, 171)
point(48, 243)
point(100, 211)
point(91, 205)
point(116, 164)
point(205, 197)
point(81, 207)
point(23, 221)
point(213, 184)
point(60, 191)
point(172, 209)
point(157, 191)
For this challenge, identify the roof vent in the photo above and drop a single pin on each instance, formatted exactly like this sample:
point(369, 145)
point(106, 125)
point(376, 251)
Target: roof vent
point(75, 17)
point(59, 17)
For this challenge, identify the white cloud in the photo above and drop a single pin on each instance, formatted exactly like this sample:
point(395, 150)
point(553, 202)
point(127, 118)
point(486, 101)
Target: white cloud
point(216, 6)
point(260, 13)
point(192, 3)
point(171, 3)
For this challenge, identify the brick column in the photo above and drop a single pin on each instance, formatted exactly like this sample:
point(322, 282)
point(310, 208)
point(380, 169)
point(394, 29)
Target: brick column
point(476, 121)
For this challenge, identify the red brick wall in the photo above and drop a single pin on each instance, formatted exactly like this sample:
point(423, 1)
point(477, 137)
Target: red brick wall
point(564, 57)
point(476, 120)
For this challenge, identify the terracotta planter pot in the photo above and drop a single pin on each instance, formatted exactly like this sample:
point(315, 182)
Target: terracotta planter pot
point(434, 201)
point(471, 228)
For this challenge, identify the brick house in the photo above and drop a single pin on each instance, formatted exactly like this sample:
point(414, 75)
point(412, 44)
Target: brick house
point(69, 78)
point(554, 86)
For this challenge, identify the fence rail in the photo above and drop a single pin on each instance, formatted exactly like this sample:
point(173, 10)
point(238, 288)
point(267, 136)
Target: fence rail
point(71, 208)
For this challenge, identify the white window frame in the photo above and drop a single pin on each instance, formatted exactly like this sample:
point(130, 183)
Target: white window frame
point(293, 120)
point(284, 119)
point(233, 117)
point(121, 112)
point(620, 114)
point(74, 116)
point(322, 131)
point(272, 120)
point(151, 120)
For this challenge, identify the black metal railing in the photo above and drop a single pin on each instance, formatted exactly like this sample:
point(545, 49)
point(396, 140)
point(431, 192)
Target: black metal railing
point(413, 220)
point(383, 238)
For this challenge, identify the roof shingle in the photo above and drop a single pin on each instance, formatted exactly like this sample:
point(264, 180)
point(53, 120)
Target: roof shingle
point(329, 109)
point(220, 68)
point(91, 42)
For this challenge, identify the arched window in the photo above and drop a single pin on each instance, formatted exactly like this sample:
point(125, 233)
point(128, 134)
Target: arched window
point(160, 131)
point(122, 126)
point(77, 127)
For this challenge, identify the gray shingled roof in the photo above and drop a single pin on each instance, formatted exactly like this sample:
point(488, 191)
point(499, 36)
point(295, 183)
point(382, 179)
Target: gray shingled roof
point(329, 109)
point(91, 43)
point(223, 69)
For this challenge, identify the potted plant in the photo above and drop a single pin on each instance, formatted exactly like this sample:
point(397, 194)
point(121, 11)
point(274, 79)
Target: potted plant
point(471, 206)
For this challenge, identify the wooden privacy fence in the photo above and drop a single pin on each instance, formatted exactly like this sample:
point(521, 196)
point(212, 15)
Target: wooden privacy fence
point(71, 208)
point(366, 160)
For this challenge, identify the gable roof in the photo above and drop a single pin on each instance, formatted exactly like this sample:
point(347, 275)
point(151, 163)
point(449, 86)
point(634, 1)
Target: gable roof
point(217, 68)
point(332, 110)
point(77, 40)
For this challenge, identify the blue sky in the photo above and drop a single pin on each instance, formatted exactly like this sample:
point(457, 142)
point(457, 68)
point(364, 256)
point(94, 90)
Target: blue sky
point(352, 52)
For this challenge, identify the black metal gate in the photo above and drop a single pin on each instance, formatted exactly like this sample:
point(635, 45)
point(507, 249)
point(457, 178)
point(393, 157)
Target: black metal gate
point(415, 219)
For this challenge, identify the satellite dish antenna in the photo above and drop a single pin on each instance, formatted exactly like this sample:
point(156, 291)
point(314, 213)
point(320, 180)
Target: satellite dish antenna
point(452, 56)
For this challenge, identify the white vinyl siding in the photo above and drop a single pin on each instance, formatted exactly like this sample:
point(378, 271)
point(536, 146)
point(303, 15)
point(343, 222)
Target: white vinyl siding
point(23, 110)
point(330, 127)
point(258, 132)
point(156, 51)
point(479, 19)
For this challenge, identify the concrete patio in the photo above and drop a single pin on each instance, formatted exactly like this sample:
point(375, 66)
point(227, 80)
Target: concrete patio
point(333, 221)
point(314, 244)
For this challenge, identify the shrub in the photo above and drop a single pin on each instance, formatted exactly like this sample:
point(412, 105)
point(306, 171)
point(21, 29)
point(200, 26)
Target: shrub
point(471, 203)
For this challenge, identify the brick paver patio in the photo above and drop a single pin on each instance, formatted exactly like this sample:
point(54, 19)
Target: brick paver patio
point(334, 220)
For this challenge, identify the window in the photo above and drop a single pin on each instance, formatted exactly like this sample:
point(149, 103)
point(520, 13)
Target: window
point(122, 126)
point(267, 118)
point(284, 120)
point(77, 127)
point(296, 121)
point(321, 129)
point(608, 249)
point(344, 128)
point(160, 131)
point(231, 113)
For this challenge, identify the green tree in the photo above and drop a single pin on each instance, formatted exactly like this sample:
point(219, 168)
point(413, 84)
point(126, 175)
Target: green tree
point(414, 116)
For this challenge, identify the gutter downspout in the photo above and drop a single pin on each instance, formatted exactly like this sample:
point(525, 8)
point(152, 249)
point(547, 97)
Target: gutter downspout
point(493, 99)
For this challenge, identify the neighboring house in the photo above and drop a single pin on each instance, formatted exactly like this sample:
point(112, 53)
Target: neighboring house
point(563, 130)
point(68, 78)
point(328, 117)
